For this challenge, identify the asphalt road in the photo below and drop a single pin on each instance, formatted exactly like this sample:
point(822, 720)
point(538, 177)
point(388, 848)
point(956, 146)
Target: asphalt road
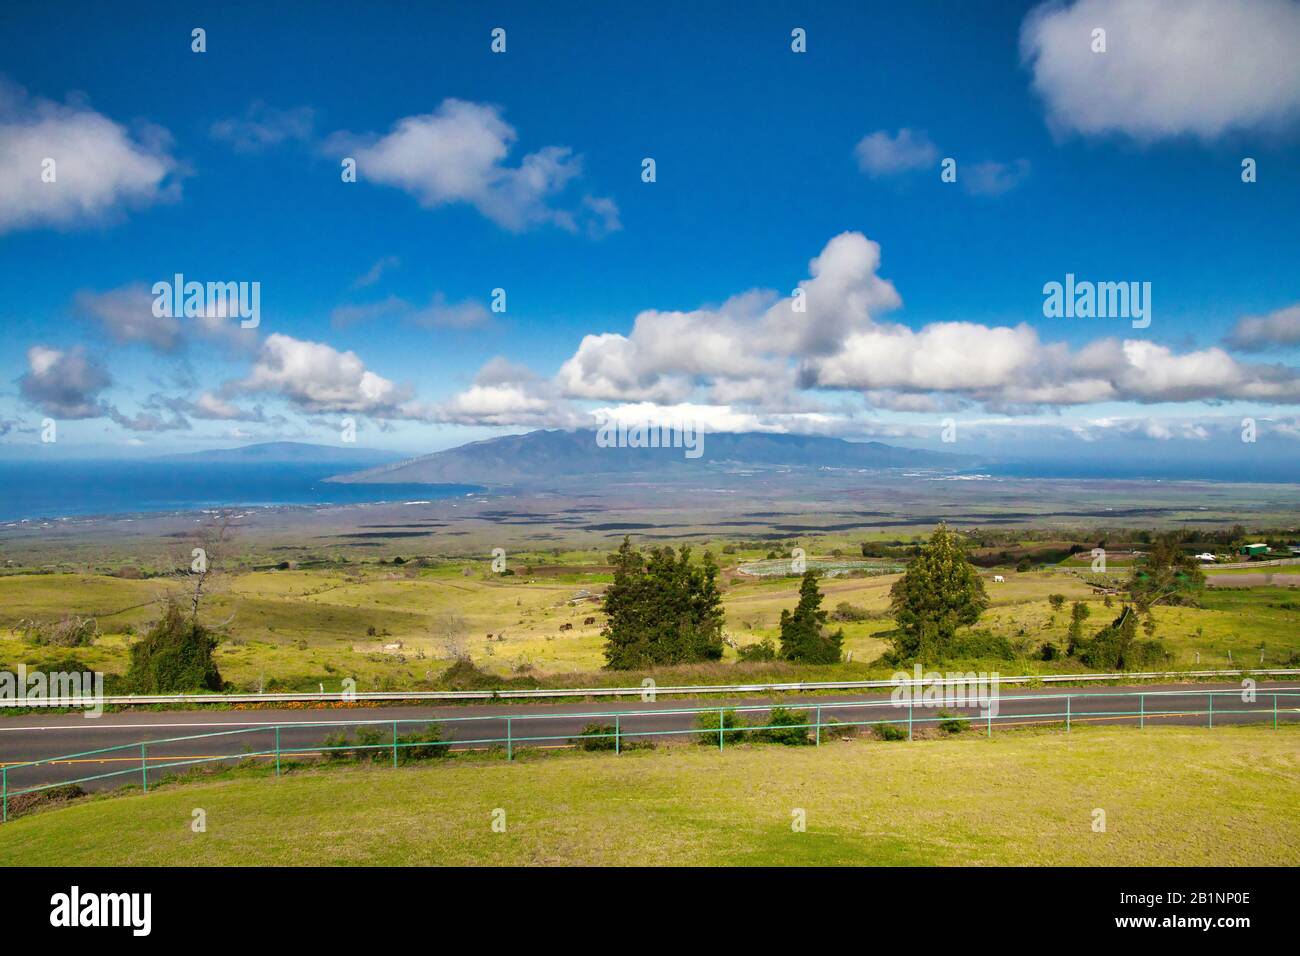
point(235, 733)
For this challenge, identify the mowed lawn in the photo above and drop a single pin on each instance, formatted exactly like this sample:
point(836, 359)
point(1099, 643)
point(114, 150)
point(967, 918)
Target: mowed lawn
point(1171, 796)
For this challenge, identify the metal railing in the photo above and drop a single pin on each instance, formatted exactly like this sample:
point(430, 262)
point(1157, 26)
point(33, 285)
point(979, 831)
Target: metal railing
point(547, 692)
point(1267, 707)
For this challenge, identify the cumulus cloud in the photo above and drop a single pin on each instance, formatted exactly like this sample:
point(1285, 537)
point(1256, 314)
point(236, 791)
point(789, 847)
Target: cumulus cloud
point(458, 154)
point(316, 377)
point(64, 384)
point(668, 354)
point(1171, 67)
point(883, 154)
point(764, 354)
point(127, 315)
point(1258, 333)
point(100, 167)
point(262, 127)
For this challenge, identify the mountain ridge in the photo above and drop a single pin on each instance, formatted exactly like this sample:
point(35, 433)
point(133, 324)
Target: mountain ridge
point(548, 454)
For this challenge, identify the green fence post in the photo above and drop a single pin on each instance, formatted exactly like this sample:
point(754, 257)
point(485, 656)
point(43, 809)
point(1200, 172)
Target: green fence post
point(909, 719)
point(277, 751)
point(1067, 713)
point(4, 784)
point(819, 725)
point(510, 742)
point(618, 747)
point(1275, 711)
point(144, 768)
point(1211, 710)
point(1142, 711)
point(722, 719)
point(989, 714)
point(394, 744)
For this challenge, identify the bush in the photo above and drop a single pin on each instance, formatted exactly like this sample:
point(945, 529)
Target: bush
point(890, 732)
point(953, 724)
point(174, 656)
point(982, 644)
point(785, 727)
point(596, 737)
point(423, 744)
point(731, 726)
point(764, 650)
point(69, 632)
point(849, 613)
point(1048, 652)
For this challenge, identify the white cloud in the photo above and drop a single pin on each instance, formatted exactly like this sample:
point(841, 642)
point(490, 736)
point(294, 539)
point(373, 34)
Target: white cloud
point(375, 272)
point(438, 314)
point(1171, 67)
point(127, 315)
point(880, 154)
point(64, 384)
point(100, 167)
point(318, 378)
point(1257, 333)
point(262, 127)
point(993, 178)
point(458, 154)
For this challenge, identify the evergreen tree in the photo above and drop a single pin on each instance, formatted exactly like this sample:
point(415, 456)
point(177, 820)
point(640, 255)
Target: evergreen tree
point(939, 592)
point(1078, 614)
point(803, 632)
point(661, 609)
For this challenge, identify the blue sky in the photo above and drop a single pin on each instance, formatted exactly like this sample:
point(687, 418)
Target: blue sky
point(523, 171)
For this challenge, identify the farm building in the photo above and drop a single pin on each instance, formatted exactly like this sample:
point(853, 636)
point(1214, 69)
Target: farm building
point(1251, 550)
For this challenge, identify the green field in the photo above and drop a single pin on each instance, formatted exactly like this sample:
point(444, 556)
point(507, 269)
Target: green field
point(1171, 796)
point(387, 626)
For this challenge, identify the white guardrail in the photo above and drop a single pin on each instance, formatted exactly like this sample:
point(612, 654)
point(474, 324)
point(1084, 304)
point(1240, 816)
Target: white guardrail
point(352, 697)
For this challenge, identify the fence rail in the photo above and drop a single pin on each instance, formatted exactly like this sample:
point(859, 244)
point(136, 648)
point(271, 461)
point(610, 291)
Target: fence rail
point(507, 694)
point(1063, 710)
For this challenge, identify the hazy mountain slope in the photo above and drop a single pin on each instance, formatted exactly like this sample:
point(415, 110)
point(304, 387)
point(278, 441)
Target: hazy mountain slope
point(542, 456)
point(287, 452)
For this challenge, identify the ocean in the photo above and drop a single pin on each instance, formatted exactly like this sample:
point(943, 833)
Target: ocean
point(31, 490)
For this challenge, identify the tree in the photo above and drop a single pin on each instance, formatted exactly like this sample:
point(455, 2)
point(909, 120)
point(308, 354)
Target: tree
point(1116, 647)
point(662, 609)
point(939, 592)
point(174, 656)
point(804, 637)
point(1056, 600)
point(1169, 575)
point(1079, 613)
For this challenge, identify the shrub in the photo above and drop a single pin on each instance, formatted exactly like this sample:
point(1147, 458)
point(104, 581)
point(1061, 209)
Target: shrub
point(890, 732)
point(953, 724)
point(596, 737)
point(423, 744)
point(708, 722)
point(784, 726)
point(175, 655)
point(764, 650)
point(849, 613)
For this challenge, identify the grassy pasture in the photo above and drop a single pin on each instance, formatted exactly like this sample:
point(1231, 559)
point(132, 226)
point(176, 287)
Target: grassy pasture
point(1171, 795)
